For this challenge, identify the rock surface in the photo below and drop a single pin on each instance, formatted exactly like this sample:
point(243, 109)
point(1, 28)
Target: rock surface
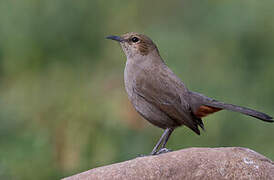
point(191, 163)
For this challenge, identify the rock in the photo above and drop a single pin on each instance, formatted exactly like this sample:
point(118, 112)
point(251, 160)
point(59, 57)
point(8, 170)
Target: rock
point(191, 163)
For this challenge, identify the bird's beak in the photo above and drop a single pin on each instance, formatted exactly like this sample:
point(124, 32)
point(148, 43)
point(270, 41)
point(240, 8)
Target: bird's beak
point(116, 38)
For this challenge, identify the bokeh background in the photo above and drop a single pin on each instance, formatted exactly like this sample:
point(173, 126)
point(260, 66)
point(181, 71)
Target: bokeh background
point(63, 107)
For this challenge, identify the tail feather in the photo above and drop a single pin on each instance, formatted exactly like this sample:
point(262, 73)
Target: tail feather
point(216, 104)
point(241, 109)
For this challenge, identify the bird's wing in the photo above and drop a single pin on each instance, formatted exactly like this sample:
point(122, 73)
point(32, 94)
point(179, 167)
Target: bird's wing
point(163, 89)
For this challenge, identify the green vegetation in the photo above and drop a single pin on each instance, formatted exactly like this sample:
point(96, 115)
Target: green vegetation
point(63, 107)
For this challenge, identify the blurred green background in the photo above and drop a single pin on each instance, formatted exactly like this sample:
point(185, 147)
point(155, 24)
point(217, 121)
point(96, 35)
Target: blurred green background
point(63, 107)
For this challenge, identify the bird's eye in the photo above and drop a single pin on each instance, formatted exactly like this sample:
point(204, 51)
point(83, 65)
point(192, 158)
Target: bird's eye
point(135, 39)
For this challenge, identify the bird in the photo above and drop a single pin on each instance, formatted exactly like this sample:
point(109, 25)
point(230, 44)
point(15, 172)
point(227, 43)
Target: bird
point(160, 96)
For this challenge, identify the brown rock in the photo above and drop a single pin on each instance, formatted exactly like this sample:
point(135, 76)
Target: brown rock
point(191, 163)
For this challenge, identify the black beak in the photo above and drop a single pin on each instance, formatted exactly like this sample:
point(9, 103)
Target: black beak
point(115, 38)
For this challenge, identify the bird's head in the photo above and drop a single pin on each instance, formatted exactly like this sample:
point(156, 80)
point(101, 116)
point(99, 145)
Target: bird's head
point(135, 44)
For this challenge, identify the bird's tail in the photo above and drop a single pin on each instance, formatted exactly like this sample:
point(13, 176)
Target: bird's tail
point(216, 104)
point(240, 109)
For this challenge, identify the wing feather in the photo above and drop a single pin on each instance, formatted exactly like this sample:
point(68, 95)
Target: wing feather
point(164, 90)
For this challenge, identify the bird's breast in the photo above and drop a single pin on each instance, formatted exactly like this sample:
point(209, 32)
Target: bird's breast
point(130, 77)
point(134, 68)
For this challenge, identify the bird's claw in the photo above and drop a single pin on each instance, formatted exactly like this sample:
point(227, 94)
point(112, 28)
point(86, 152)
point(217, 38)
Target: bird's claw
point(162, 151)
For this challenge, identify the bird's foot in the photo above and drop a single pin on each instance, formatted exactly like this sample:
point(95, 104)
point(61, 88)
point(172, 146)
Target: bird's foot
point(162, 151)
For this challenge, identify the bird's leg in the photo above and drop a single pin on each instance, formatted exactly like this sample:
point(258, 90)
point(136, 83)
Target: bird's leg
point(167, 137)
point(163, 149)
point(154, 151)
point(164, 138)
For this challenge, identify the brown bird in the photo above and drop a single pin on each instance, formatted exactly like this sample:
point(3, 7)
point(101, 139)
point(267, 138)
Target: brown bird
point(160, 96)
